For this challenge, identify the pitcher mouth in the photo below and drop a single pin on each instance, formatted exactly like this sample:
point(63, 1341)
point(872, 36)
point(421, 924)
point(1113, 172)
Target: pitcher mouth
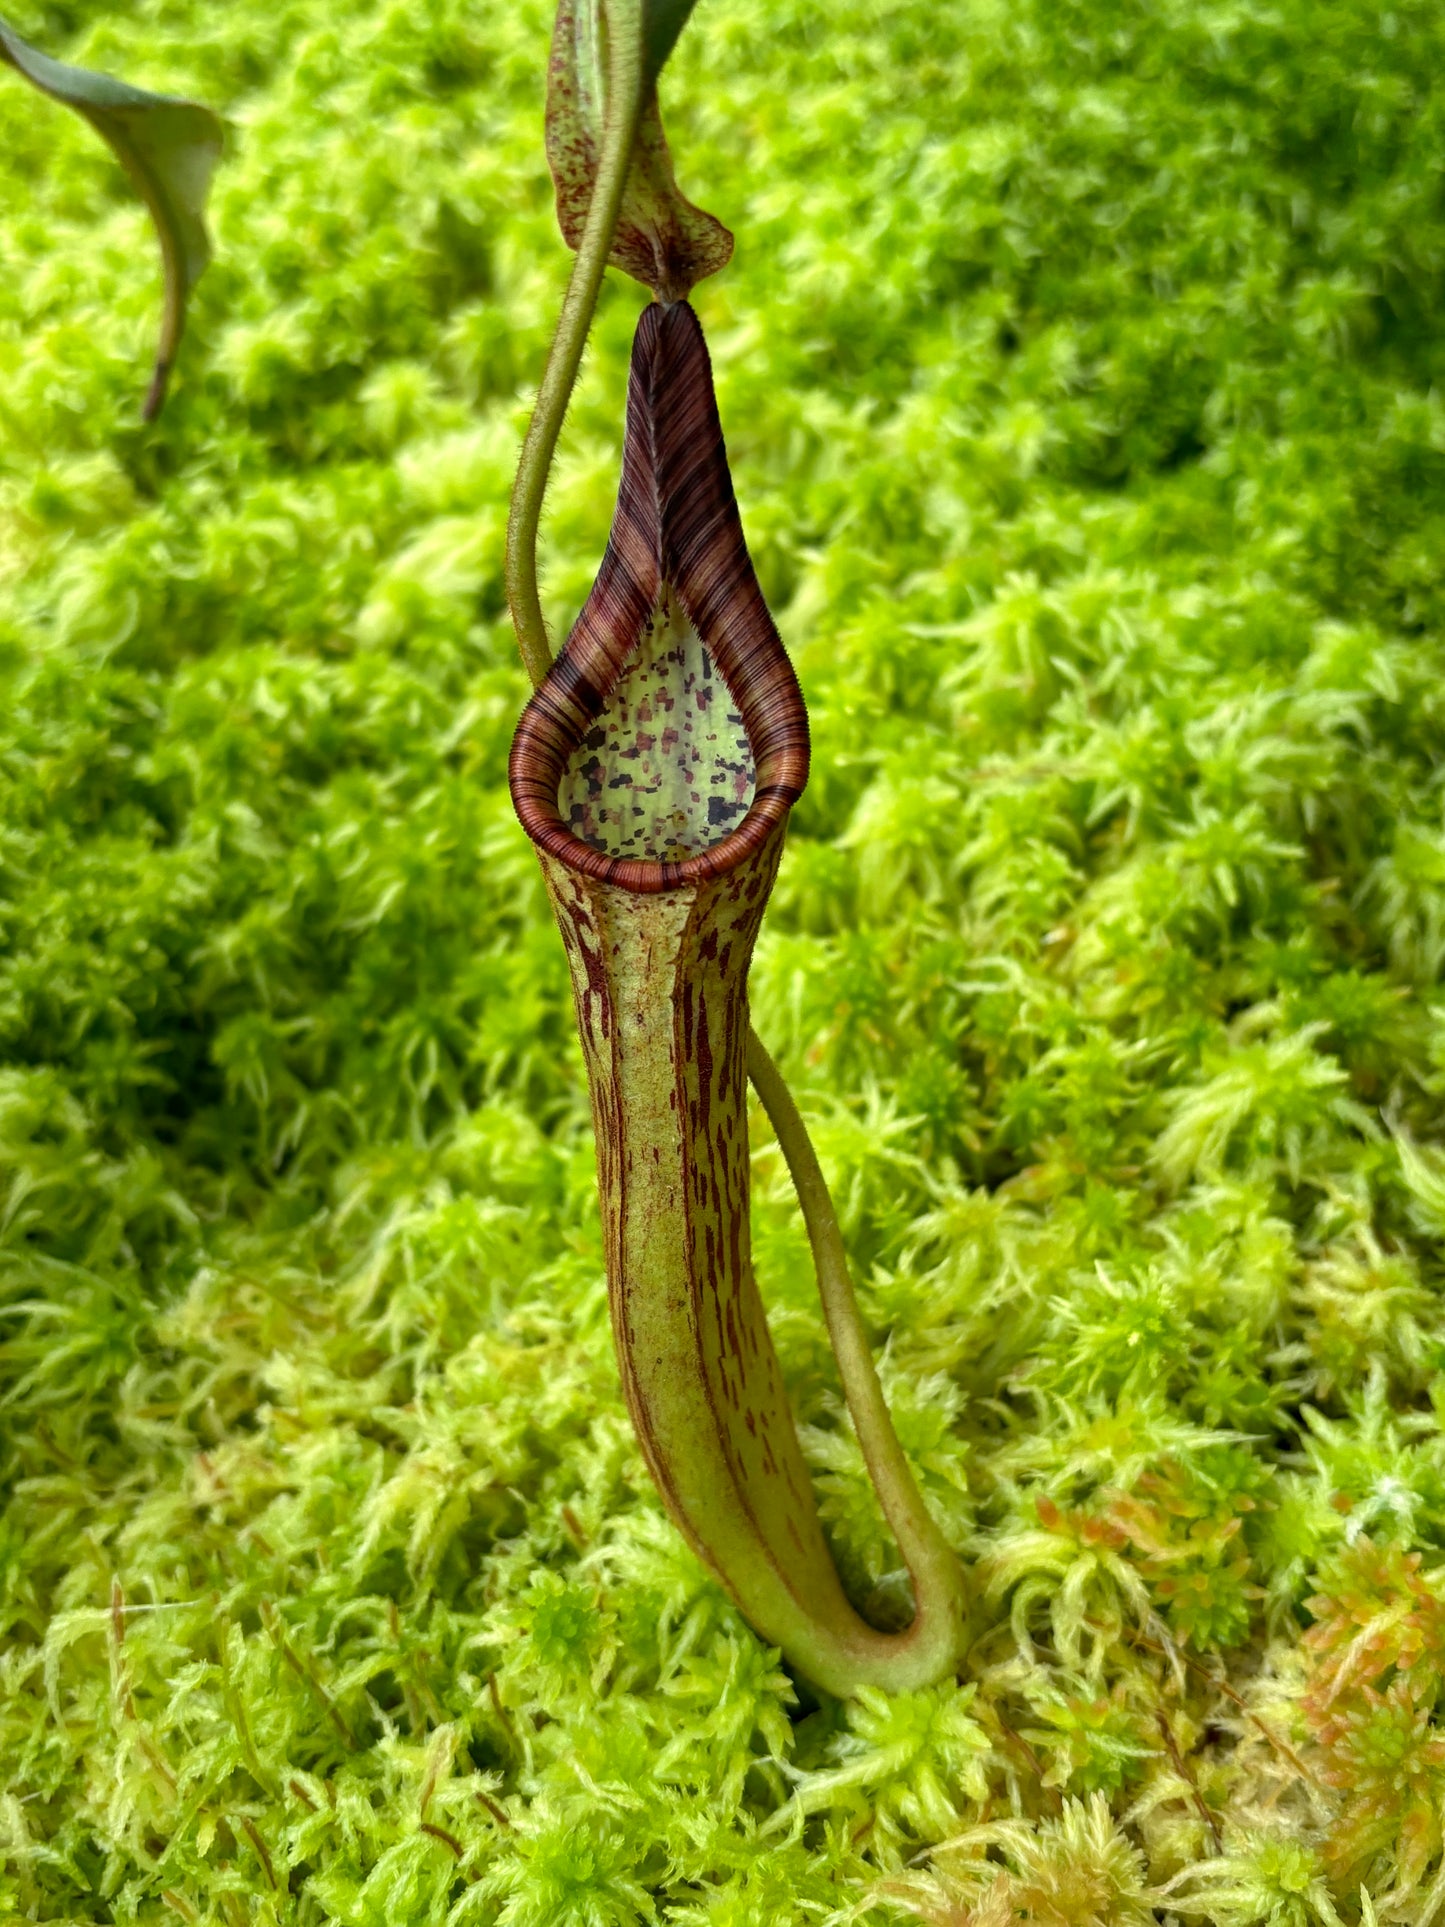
point(629, 739)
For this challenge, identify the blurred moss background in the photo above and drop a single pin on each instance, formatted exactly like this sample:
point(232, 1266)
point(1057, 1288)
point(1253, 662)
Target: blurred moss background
point(1082, 371)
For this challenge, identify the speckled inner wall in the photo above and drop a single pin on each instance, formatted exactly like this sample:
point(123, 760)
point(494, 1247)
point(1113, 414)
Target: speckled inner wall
point(666, 770)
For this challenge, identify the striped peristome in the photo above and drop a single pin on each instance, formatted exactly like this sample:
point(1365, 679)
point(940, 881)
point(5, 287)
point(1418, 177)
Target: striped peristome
point(676, 535)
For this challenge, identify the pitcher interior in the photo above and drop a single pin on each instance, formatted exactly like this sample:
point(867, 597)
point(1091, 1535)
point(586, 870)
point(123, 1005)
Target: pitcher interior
point(666, 769)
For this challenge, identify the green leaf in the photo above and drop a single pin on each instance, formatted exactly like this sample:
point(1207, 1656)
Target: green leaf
point(662, 239)
point(662, 22)
point(169, 147)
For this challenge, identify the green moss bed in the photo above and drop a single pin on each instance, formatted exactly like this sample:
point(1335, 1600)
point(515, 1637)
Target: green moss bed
point(1083, 372)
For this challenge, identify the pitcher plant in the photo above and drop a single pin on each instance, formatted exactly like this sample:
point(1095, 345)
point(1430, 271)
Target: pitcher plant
point(654, 770)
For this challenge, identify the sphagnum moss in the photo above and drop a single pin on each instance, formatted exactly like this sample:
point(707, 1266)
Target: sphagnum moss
point(1091, 457)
